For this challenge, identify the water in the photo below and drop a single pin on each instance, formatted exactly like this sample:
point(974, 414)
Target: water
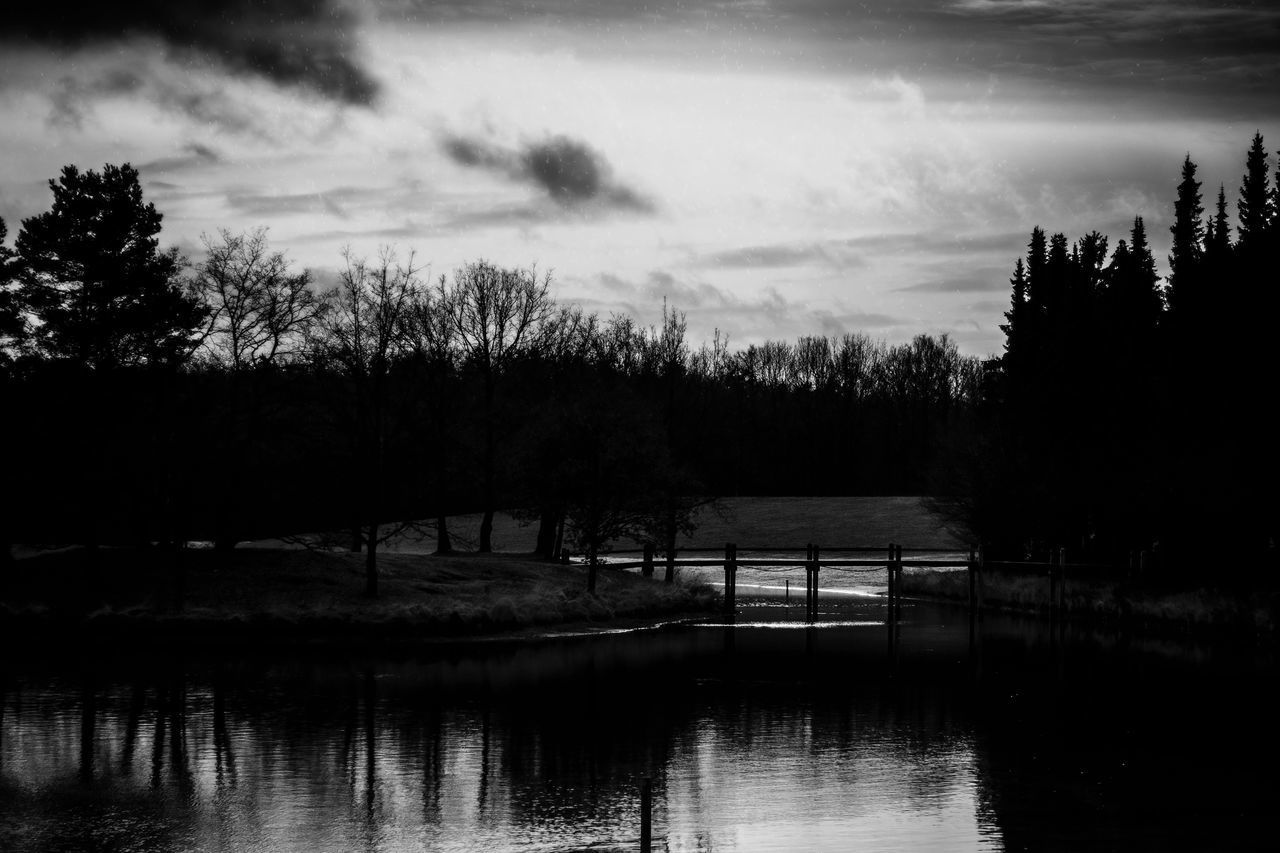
point(762, 735)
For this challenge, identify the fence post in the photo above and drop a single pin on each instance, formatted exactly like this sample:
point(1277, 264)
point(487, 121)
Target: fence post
point(973, 578)
point(728, 578)
point(733, 573)
point(647, 569)
point(808, 582)
point(816, 565)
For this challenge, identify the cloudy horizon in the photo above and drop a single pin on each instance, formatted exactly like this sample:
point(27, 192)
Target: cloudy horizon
point(770, 168)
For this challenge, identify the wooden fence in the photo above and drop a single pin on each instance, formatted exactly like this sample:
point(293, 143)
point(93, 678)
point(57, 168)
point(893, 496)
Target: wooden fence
point(893, 560)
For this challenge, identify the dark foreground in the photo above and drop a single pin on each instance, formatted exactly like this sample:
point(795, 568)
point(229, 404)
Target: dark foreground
point(764, 735)
point(253, 595)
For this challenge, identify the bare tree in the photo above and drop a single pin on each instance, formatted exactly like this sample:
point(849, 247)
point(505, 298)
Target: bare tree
point(431, 340)
point(261, 309)
point(360, 335)
point(498, 316)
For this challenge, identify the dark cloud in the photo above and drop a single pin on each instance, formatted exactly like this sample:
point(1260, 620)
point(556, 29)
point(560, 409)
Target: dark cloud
point(853, 252)
point(779, 255)
point(305, 44)
point(192, 154)
point(1137, 54)
point(572, 174)
point(332, 201)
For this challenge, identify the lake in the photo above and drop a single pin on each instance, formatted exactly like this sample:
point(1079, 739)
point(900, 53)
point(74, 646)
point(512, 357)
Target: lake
point(760, 734)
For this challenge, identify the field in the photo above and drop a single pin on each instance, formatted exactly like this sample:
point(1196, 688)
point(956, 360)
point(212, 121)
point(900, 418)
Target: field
point(790, 522)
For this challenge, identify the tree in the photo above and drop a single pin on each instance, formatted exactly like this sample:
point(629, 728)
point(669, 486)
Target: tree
point(1254, 207)
point(359, 337)
point(1184, 261)
point(498, 316)
point(261, 310)
point(12, 326)
point(261, 313)
point(91, 273)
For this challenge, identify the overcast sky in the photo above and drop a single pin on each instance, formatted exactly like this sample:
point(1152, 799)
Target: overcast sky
point(771, 167)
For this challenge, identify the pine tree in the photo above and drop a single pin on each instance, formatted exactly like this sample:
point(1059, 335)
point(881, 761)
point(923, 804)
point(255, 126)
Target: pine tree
point(1037, 259)
point(1254, 206)
point(1187, 235)
point(91, 272)
point(11, 323)
point(1017, 308)
point(1217, 241)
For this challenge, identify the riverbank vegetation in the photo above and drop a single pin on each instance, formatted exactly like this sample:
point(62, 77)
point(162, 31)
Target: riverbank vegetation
point(155, 401)
point(300, 594)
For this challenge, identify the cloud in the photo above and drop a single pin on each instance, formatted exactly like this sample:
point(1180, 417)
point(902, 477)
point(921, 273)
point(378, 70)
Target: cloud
point(303, 44)
point(780, 255)
point(766, 315)
point(193, 154)
point(570, 172)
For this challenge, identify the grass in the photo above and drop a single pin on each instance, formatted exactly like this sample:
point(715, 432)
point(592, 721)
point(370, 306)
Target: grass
point(1109, 600)
point(299, 593)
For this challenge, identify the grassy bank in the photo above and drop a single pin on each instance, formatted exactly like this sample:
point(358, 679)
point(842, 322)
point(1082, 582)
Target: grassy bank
point(1109, 600)
point(252, 593)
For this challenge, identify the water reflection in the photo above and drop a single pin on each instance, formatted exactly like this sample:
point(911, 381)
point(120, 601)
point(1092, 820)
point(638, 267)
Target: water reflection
point(951, 737)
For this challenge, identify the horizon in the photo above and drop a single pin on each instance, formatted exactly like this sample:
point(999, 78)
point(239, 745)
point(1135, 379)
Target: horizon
point(772, 172)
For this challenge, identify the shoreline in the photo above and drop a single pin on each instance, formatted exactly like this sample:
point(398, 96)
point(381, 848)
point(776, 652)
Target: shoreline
point(1195, 611)
point(263, 596)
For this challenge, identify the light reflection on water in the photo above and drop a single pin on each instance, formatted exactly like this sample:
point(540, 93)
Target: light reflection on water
point(755, 739)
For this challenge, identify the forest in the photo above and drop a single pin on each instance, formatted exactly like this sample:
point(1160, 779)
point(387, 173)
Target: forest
point(155, 401)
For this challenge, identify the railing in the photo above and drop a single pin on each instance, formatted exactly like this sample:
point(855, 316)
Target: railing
point(893, 560)
point(813, 563)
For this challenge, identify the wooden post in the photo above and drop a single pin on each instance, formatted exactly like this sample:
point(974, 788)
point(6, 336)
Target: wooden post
point(888, 567)
point(982, 578)
point(647, 569)
point(973, 579)
point(728, 577)
point(646, 815)
point(817, 563)
point(733, 573)
point(808, 582)
point(671, 566)
point(897, 581)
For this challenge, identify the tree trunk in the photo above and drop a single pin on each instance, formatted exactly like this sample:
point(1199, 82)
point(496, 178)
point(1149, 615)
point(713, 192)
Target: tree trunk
point(545, 549)
point(371, 562)
point(592, 562)
point(444, 543)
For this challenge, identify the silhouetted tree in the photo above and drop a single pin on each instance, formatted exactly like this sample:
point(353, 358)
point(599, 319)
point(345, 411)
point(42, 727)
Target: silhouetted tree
point(92, 274)
point(12, 325)
point(1254, 207)
point(359, 337)
point(261, 310)
point(498, 315)
point(1188, 234)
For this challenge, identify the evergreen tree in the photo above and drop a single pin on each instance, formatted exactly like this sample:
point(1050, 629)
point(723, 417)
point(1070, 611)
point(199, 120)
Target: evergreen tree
point(1187, 233)
point(1017, 308)
point(91, 272)
point(11, 323)
point(1254, 206)
point(1037, 259)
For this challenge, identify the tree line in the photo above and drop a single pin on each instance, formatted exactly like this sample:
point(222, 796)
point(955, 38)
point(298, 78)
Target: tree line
point(158, 400)
point(1131, 413)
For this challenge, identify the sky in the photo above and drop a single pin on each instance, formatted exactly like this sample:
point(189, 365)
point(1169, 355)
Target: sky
point(771, 168)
